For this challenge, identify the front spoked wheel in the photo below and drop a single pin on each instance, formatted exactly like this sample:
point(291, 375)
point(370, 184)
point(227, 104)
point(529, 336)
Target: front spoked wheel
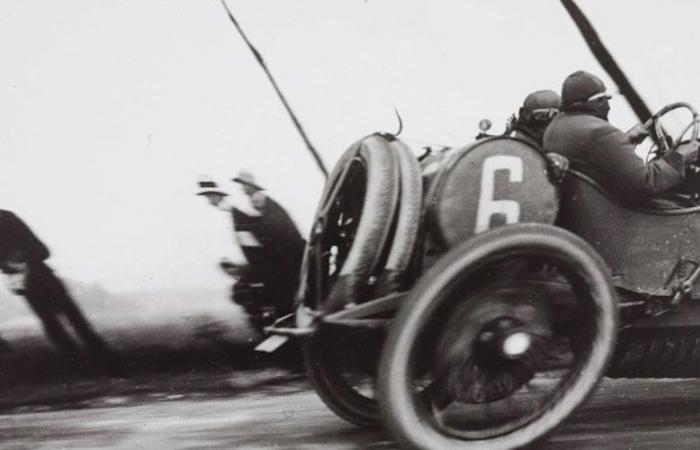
point(499, 342)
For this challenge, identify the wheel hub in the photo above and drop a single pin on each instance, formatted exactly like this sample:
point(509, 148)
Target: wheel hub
point(508, 337)
point(516, 344)
point(490, 346)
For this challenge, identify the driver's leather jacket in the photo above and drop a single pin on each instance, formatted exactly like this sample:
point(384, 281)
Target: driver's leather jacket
point(605, 153)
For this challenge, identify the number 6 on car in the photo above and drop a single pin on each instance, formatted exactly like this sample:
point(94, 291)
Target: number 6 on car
point(490, 183)
point(488, 206)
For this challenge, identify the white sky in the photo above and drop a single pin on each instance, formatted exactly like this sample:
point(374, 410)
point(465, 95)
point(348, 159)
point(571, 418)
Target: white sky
point(110, 110)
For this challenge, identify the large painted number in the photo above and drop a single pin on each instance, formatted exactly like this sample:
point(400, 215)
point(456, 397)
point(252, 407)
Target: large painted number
point(487, 205)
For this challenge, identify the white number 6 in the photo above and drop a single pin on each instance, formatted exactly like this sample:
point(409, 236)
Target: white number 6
point(487, 205)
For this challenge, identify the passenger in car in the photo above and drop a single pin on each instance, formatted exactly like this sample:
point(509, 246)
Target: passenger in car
point(537, 112)
point(582, 133)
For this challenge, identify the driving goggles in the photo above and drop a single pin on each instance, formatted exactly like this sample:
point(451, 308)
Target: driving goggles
point(542, 114)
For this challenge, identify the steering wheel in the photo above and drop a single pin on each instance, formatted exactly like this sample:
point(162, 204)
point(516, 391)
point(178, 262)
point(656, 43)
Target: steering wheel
point(661, 138)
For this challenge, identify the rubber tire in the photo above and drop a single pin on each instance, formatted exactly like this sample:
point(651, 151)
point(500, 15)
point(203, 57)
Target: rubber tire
point(344, 401)
point(373, 231)
point(396, 400)
point(408, 217)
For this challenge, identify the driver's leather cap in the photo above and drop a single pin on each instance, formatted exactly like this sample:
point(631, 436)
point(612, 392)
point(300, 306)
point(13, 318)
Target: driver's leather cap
point(579, 86)
point(544, 99)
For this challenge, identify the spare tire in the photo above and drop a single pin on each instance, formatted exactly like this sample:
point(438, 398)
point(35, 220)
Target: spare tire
point(406, 223)
point(352, 225)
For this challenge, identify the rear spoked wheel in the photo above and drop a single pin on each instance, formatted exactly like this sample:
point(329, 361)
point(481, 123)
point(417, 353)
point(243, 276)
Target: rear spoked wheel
point(499, 342)
point(352, 234)
point(339, 365)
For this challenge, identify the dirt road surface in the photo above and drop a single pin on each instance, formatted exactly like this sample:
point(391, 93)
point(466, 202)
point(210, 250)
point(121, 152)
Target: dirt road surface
point(271, 408)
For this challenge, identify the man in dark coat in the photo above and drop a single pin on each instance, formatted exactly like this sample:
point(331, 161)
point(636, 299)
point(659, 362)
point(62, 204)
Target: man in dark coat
point(593, 146)
point(22, 257)
point(271, 244)
point(281, 247)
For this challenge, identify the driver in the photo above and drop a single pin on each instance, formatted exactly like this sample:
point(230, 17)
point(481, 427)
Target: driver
point(595, 147)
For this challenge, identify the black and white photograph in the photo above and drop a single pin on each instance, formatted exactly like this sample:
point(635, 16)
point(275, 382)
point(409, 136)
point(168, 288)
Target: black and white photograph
point(349, 224)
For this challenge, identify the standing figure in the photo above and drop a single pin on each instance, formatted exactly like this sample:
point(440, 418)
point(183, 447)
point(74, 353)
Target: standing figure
point(271, 244)
point(22, 260)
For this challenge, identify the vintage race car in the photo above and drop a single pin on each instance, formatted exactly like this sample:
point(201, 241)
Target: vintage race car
point(468, 300)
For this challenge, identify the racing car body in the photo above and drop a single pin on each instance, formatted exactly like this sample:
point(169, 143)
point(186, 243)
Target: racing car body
point(641, 246)
point(455, 284)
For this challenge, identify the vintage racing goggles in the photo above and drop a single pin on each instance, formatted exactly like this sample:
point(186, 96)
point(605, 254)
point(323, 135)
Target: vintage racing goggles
point(543, 114)
point(604, 95)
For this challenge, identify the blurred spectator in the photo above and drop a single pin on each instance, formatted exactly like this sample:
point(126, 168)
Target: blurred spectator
point(271, 244)
point(22, 257)
point(282, 245)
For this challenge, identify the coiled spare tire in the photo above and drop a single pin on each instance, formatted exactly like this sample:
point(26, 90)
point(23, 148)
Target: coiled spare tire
point(353, 225)
point(406, 223)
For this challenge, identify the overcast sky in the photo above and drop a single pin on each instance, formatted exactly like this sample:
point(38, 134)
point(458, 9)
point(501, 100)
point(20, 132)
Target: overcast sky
point(110, 110)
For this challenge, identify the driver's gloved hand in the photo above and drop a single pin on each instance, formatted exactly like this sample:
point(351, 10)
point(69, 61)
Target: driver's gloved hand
point(689, 152)
point(637, 133)
point(558, 166)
